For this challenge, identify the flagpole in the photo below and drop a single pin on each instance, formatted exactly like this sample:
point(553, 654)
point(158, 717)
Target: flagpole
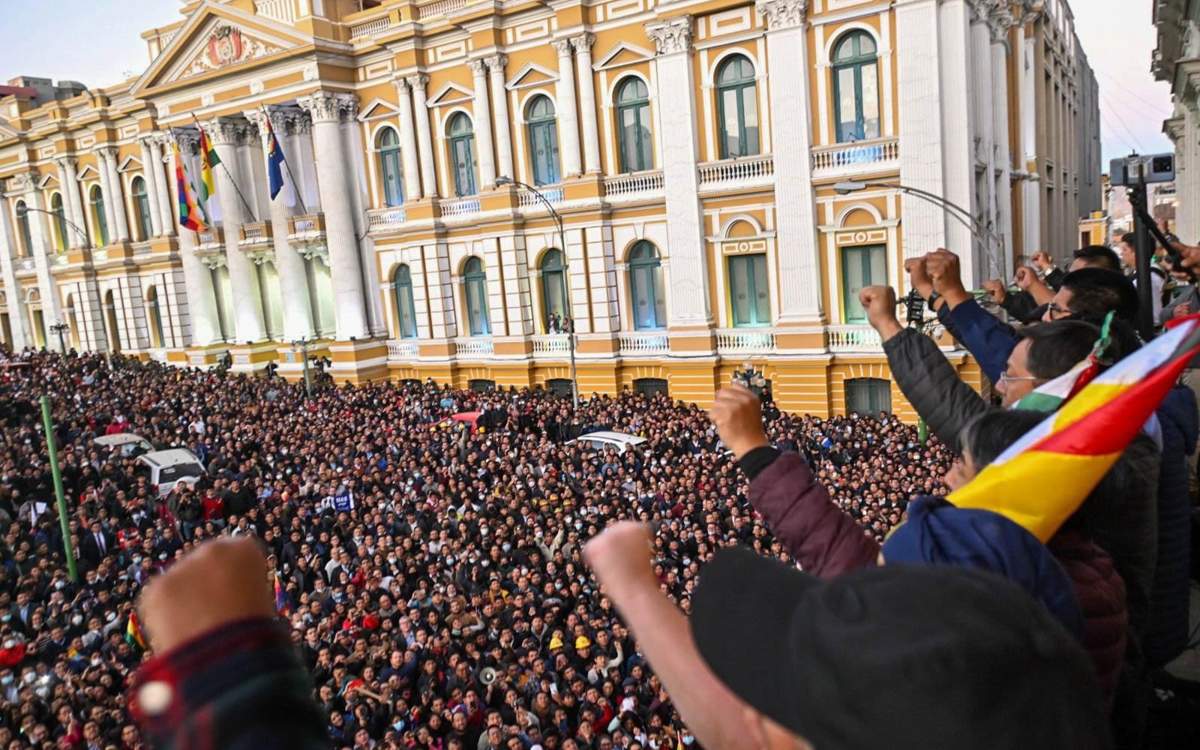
point(232, 181)
point(288, 166)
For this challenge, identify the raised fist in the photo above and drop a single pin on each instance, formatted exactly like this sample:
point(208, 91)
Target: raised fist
point(737, 414)
point(996, 289)
point(918, 278)
point(880, 305)
point(1026, 277)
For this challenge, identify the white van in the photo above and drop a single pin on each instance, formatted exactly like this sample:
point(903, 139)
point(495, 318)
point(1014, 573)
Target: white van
point(125, 444)
point(600, 440)
point(165, 469)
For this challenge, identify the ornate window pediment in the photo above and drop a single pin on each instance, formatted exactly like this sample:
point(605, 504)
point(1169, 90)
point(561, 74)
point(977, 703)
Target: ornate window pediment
point(622, 55)
point(531, 75)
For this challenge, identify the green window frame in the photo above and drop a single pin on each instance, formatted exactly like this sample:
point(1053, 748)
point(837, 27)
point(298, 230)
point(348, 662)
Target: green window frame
point(24, 229)
point(633, 126)
point(647, 289)
point(737, 108)
point(462, 154)
point(387, 143)
point(554, 287)
point(862, 266)
point(856, 88)
point(141, 207)
point(96, 198)
point(475, 290)
point(60, 221)
point(749, 290)
point(406, 309)
point(543, 140)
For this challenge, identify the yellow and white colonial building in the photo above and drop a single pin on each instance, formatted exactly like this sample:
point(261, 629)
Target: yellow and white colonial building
point(728, 175)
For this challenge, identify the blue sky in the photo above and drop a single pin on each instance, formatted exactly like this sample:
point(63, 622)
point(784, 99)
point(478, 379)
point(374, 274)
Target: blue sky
point(98, 42)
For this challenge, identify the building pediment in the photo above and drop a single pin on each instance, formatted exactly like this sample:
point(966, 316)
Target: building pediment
point(130, 164)
point(451, 93)
point(50, 180)
point(622, 55)
point(531, 75)
point(217, 38)
point(88, 173)
point(377, 108)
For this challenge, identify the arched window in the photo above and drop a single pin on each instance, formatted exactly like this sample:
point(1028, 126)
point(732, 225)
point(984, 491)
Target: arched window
point(737, 107)
point(156, 325)
point(749, 293)
point(462, 154)
point(543, 140)
point(141, 207)
point(646, 287)
point(388, 145)
point(868, 396)
point(23, 229)
point(554, 291)
point(96, 198)
point(475, 290)
point(60, 221)
point(633, 125)
point(406, 309)
point(856, 87)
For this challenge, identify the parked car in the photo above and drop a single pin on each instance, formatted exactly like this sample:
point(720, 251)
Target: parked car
point(165, 469)
point(127, 444)
point(601, 440)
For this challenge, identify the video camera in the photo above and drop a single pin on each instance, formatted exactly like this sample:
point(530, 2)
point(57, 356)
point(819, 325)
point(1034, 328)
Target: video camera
point(1137, 169)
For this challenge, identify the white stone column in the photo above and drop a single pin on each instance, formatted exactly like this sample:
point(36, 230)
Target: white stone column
point(1002, 22)
point(116, 197)
point(48, 290)
point(197, 278)
point(980, 55)
point(17, 319)
point(334, 184)
point(106, 189)
point(685, 227)
point(227, 136)
point(167, 213)
point(68, 178)
point(483, 125)
point(504, 150)
point(293, 276)
point(796, 239)
point(408, 141)
point(152, 175)
point(1031, 187)
point(587, 101)
point(567, 111)
point(424, 137)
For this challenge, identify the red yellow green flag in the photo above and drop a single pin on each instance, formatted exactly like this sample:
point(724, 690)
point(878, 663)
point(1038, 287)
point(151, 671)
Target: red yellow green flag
point(1043, 478)
point(208, 160)
point(190, 213)
point(133, 632)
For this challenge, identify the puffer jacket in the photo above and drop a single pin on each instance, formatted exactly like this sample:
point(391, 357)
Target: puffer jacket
point(1166, 632)
point(826, 542)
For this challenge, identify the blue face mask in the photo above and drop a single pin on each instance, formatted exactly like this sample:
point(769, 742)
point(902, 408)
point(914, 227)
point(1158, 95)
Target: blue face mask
point(398, 725)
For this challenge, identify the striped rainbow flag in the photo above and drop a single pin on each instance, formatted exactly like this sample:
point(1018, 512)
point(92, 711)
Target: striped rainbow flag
point(1045, 476)
point(191, 215)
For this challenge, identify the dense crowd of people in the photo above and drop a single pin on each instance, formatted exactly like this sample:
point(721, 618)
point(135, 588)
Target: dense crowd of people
point(431, 571)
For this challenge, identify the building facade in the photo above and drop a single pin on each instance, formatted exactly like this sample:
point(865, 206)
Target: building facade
point(728, 175)
point(1177, 61)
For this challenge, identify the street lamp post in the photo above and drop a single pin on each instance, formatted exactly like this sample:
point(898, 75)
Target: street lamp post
point(569, 319)
point(303, 345)
point(977, 229)
point(60, 328)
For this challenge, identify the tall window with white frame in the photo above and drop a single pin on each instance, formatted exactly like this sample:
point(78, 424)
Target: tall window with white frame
point(554, 306)
point(737, 107)
point(543, 140)
point(646, 287)
point(749, 290)
point(462, 154)
point(99, 223)
point(157, 340)
point(861, 267)
point(475, 291)
point(24, 230)
point(387, 143)
point(856, 87)
point(406, 309)
point(633, 125)
point(60, 221)
point(141, 207)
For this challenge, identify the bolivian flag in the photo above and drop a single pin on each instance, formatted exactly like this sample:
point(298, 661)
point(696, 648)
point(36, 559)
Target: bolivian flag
point(208, 160)
point(191, 215)
point(133, 632)
point(1043, 478)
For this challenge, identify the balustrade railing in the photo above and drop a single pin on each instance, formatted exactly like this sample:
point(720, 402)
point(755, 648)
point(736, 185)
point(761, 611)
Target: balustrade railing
point(306, 224)
point(460, 207)
point(852, 156)
point(480, 346)
point(442, 7)
point(256, 232)
point(635, 344)
point(852, 338)
point(745, 341)
point(383, 218)
point(529, 199)
point(276, 10)
point(750, 169)
point(211, 236)
point(554, 343)
point(402, 349)
point(635, 183)
point(371, 27)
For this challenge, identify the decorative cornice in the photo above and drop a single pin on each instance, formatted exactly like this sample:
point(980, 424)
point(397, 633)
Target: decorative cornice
point(418, 81)
point(224, 131)
point(401, 84)
point(497, 62)
point(347, 107)
point(583, 42)
point(323, 106)
point(478, 67)
point(188, 140)
point(672, 36)
point(782, 14)
point(562, 46)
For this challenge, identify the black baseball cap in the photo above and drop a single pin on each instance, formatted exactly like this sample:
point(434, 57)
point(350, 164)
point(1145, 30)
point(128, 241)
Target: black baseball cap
point(897, 656)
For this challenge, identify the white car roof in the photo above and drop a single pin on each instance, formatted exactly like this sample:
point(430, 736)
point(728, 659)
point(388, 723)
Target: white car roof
point(612, 437)
point(170, 457)
point(121, 438)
